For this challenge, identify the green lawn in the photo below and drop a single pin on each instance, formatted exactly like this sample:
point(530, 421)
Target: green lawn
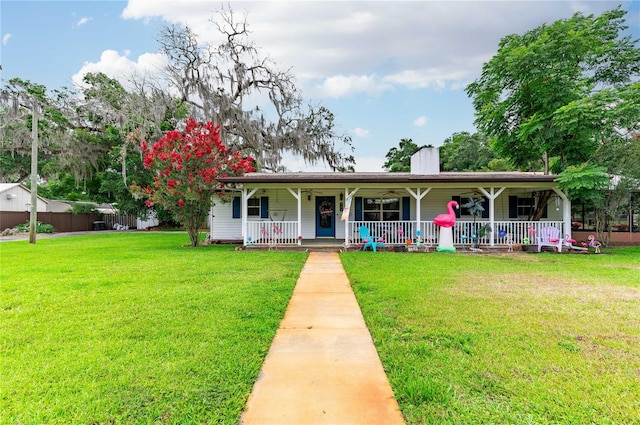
point(507, 339)
point(132, 328)
point(135, 329)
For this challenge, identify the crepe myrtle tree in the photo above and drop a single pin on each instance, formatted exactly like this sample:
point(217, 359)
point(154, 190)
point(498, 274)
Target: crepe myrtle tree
point(186, 167)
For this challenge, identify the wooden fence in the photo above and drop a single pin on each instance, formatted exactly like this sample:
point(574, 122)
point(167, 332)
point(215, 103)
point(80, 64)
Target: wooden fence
point(67, 222)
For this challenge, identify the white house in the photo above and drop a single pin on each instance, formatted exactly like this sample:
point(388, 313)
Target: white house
point(16, 197)
point(290, 208)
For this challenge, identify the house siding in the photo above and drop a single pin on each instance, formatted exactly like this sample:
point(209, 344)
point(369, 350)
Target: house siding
point(17, 198)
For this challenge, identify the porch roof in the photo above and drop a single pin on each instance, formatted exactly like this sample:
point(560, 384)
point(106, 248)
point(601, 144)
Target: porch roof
point(395, 178)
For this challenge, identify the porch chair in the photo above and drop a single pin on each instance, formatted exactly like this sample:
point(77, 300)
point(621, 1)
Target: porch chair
point(549, 236)
point(369, 241)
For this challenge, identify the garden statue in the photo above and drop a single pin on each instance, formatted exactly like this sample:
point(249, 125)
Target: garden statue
point(509, 241)
point(446, 222)
point(594, 243)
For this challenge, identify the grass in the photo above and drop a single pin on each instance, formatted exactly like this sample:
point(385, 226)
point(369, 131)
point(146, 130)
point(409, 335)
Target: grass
point(132, 328)
point(508, 339)
point(135, 329)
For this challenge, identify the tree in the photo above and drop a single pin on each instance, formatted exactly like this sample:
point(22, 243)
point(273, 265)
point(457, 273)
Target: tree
point(399, 159)
point(221, 84)
point(186, 167)
point(465, 152)
point(557, 94)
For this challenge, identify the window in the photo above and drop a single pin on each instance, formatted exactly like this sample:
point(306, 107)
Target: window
point(253, 207)
point(525, 206)
point(256, 207)
point(377, 209)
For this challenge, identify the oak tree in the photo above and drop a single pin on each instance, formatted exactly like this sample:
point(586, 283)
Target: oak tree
point(557, 94)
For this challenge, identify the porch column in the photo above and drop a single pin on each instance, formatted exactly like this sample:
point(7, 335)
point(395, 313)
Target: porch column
point(418, 195)
point(566, 211)
point(243, 215)
point(346, 212)
point(298, 196)
point(492, 195)
point(246, 194)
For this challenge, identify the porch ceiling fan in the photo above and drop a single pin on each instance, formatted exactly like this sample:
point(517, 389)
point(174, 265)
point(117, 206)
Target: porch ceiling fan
point(474, 194)
point(390, 192)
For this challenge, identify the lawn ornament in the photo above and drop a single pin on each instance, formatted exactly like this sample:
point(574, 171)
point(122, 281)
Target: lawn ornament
point(446, 222)
point(449, 219)
point(509, 241)
point(570, 244)
point(464, 238)
point(593, 243)
point(474, 241)
point(532, 233)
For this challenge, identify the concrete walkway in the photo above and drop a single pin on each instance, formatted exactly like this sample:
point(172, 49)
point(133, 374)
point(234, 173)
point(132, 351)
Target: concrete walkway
point(322, 367)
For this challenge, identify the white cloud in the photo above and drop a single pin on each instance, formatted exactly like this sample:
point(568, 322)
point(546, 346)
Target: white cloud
point(420, 121)
point(83, 21)
point(341, 85)
point(122, 68)
point(339, 48)
point(5, 39)
point(360, 132)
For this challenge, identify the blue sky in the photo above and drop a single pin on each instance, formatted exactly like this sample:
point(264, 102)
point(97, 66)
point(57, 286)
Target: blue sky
point(387, 69)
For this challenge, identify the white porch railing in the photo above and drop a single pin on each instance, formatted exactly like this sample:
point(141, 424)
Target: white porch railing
point(272, 233)
point(519, 230)
point(393, 232)
point(397, 232)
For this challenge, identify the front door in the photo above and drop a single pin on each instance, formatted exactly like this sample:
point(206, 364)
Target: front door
point(325, 216)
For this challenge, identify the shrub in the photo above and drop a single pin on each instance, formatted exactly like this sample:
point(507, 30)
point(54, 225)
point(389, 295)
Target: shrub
point(82, 208)
point(40, 227)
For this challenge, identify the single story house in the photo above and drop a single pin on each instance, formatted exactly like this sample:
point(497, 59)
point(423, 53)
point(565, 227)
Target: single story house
point(17, 197)
point(294, 208)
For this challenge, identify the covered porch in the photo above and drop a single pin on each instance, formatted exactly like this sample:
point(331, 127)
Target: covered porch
point(293, 209)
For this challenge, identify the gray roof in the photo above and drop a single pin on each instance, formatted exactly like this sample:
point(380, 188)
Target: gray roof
point(396, 178)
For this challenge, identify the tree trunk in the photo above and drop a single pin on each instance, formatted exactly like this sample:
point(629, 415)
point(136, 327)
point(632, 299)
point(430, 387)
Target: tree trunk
point(542, 203)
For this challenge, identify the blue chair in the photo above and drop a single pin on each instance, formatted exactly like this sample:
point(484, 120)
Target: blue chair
point(369, 241)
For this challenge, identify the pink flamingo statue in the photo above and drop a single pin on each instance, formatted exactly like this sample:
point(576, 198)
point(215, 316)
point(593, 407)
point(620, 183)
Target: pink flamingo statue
point(446, 222)
point(449, 219)
point(532, 233)
point(570, 243)
point(593, 243)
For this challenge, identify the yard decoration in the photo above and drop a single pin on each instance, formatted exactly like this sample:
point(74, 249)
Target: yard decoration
point(187, 166)
point(570, 244)
point(446, 222)
point(509, 241)
point(532, 233)
point(475, 208)
point(594, 243)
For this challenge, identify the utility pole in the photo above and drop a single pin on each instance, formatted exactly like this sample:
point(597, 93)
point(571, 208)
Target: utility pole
point(34, 173)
